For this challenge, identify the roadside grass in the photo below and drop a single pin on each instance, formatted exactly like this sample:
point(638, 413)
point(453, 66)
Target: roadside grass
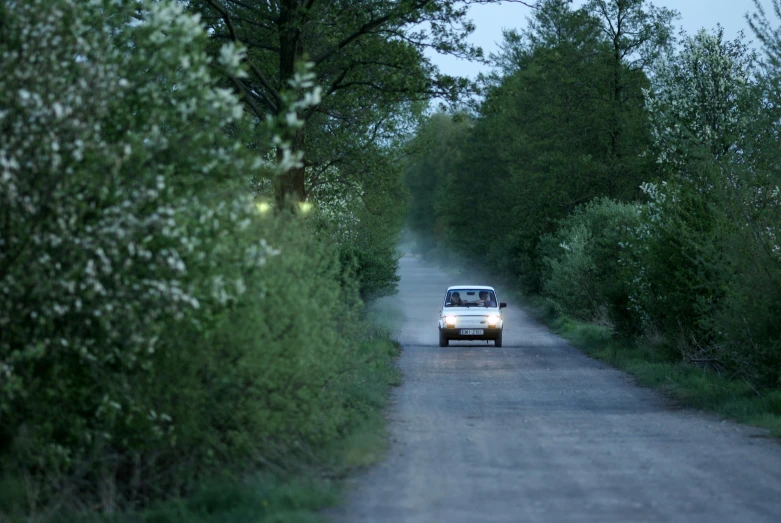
point(297, 497)
point(266, 498)
point(294, 497)
point(656, 367)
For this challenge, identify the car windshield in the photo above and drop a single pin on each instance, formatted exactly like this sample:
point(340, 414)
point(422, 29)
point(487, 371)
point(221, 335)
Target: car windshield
point(470, 298)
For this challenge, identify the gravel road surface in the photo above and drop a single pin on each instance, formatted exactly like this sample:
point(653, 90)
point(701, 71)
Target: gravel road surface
point(536, 431)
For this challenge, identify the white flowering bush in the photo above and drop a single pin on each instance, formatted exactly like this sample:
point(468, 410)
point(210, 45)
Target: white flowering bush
point(702, 100)
point(111, 134)
point(701, 104)
point(156, 324)
point(124, 222)
point(337, 204)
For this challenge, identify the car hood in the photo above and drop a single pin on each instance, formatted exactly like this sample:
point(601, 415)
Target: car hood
point(470, 311)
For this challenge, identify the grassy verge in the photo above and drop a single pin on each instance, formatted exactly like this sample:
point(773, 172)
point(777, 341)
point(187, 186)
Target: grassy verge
point(657, 368)
point(298, 495)
point(295, 496)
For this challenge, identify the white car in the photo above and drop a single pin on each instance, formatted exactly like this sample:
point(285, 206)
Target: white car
point(471, 312)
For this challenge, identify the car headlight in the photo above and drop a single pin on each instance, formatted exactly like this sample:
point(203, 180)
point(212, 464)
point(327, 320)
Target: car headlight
point(450, 320)
point(493, 320)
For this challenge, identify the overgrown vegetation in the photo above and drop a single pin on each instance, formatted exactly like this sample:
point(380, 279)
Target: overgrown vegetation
point(632, 182)
point(180, 340)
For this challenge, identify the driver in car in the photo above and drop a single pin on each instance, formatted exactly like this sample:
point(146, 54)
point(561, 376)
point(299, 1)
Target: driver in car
point(486, 300)
point(455, 300)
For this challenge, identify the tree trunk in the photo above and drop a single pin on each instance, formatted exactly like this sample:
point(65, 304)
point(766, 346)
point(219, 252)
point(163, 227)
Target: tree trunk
point(618, 86)
point(291, 187)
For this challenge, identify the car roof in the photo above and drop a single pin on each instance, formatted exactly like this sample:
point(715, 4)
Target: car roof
point(470, 287)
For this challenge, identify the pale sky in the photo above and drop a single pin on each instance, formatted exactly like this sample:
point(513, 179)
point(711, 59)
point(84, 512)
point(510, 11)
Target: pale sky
point(490, 19)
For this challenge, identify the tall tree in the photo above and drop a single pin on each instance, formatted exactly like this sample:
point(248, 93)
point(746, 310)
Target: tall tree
point(638, 33)
point(703, 101)
point(563, 123)
point(540, 144)
point(367, 55)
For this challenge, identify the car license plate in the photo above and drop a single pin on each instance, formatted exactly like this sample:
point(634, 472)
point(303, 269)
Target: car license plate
point(471, 332)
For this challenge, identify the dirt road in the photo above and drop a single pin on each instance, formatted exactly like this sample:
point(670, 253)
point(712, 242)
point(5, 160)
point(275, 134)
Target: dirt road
point(536, 431)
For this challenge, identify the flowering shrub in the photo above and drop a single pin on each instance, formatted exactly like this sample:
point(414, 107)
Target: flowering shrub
point(153, 324)
point(702, 99)
point(703, 266)
point(337, 204)
point(112, 133)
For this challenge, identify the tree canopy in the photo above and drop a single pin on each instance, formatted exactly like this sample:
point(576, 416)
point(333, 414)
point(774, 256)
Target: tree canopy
point(368, 57)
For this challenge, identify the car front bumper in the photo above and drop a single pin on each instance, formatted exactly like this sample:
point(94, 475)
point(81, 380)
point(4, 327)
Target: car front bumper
point(489, 333)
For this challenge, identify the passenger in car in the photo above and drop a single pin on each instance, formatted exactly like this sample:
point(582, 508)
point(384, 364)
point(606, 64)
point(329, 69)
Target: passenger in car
point(455, 300)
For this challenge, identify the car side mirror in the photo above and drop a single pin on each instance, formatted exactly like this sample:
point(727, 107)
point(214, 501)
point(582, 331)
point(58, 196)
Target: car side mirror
point(502, 305)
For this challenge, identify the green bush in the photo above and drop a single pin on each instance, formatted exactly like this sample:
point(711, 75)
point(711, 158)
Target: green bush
point(583, 269)
point(744, 257)
point(572, 270)
point(672, 288)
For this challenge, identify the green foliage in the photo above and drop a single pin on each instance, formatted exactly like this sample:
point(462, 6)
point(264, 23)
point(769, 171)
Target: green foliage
point(154, 326)
point(707, 273)
point(104, 222)
point(747, 261)
point(584, 268)
point(380, 211)
point(551, 134)
point(699, 263)
point(436, 153)
point(571, 282)
point(370, 59)
point(673, 289)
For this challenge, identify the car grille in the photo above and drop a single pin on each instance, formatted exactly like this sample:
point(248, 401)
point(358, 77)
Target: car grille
point(472, 321)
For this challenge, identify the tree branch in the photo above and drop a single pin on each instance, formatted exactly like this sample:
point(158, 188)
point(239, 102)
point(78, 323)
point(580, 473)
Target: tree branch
point(248, 97)
point(276, 101)
point(364, 29)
